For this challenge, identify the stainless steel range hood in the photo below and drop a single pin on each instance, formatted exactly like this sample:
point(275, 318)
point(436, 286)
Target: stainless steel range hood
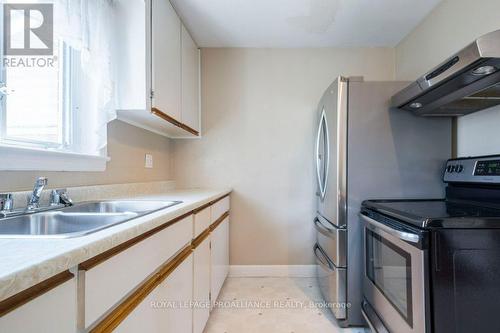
point(466, 82)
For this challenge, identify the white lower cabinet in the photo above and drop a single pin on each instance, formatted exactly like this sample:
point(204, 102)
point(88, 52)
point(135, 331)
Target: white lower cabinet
point(167, 308)
point(219, 257)
point(51, 312)
point(107, 283)
point(201, 286)
point(179, 304)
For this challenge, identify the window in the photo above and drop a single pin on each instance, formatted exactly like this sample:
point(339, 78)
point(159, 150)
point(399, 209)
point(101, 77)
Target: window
point(37, 103)
point(56, 84)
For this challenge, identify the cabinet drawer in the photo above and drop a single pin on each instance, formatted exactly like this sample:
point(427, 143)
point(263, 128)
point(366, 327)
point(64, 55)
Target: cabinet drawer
point(107, 283)
point(332, 240)
point(201, 221)
point(54, 312)
point(164, 310)
point(219, 208)
point(332, 281)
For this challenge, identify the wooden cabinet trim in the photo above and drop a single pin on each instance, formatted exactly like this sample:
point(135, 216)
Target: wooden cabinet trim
point(94, 261)
point(219, 221)
point(208, 204)
point(27, 295)
point(199, 209)
point(118, 315)
point(198, 240)
point(157, 112)
point(219, 199)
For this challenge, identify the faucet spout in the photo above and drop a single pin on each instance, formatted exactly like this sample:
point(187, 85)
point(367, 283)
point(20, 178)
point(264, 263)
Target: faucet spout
point(34, 199)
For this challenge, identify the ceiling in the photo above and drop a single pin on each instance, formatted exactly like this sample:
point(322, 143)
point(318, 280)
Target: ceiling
point(301, 23)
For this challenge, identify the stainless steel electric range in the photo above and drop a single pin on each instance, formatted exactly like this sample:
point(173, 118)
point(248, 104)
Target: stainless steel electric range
point(434, 265)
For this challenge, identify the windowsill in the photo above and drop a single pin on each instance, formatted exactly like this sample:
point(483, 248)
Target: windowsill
point(24, 159)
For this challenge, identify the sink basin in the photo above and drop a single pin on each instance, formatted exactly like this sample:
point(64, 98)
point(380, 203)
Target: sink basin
point(120, 206)
point(53, 224)
point(78, 220)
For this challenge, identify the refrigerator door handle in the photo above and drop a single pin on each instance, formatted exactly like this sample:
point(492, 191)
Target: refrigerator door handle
point(318, 253)
point(318, 156)
point(322, 132)
point(327, 154)
point(321, 227)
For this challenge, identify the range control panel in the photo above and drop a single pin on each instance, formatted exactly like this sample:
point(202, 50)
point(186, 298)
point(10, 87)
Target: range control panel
point(484, 169)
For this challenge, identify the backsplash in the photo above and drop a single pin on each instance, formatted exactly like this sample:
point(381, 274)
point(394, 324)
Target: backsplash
point(99, 192)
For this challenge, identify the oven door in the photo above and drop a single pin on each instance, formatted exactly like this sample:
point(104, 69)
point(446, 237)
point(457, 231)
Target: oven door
point(394, 279)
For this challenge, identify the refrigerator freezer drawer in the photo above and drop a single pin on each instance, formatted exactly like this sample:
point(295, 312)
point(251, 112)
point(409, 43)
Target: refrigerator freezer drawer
point(332, 283)
point(332, 240)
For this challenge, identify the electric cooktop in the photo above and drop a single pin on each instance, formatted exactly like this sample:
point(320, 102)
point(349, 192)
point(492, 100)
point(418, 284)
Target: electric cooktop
point(472, 198)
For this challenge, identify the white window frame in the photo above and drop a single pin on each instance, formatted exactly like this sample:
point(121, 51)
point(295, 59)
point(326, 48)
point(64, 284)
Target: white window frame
point(33, 155)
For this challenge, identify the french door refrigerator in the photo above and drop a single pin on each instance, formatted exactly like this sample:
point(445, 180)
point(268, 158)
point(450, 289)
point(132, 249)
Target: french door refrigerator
point(366, 150)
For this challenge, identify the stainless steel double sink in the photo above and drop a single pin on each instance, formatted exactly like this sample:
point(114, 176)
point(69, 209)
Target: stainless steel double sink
point(79, 219)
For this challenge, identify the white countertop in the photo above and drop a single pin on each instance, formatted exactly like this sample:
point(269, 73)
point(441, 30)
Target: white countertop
point(26, 262)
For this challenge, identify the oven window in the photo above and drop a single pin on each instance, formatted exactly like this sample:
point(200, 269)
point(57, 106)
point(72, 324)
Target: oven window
point(389, 268)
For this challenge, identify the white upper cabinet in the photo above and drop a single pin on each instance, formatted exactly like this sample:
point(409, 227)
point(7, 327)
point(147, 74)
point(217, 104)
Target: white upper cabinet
point(131, 55)
point(158, 75)
point(190, 81)
point(166, 58)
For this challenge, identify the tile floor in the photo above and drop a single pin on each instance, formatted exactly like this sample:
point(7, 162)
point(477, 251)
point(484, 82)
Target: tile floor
point(274, 305)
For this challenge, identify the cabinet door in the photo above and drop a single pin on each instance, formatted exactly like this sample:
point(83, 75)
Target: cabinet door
point(107, 283)
point(167, 308)
point(220, 257)
point(166, 58)
point(201, 286)
point(177, 289)
point(190, 81)
point(52, 312)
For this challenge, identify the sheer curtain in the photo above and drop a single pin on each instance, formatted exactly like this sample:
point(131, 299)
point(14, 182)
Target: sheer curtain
point(87, 26)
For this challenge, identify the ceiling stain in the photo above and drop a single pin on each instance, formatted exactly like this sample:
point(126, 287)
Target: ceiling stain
point(321, 16)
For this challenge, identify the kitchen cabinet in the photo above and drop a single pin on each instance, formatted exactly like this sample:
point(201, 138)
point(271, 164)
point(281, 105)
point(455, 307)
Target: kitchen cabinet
point(201, 285)
point(163, 280)
point(51, 312)
point(167, 308)
point(201, 221)
point(190, 81)
point(165, 59)
point(219, 257)
point(108, 282)
point(165, 64)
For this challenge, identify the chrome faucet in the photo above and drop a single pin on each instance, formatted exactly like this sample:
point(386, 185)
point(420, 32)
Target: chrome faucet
point(60, 197)
point(34, 199)
point(6, 202)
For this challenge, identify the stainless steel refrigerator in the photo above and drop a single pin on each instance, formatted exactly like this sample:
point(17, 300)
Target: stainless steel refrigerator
point(366, 150)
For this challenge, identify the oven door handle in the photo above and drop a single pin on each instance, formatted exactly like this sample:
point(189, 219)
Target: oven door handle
point(403, 235)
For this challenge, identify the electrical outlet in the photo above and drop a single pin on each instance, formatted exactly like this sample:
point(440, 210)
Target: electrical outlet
point(148, 161)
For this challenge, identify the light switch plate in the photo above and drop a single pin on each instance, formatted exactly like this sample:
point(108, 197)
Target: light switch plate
point(148, 161)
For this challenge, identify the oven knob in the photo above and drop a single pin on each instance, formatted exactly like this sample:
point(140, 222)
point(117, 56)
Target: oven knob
point(460, 168)
point(449, 169)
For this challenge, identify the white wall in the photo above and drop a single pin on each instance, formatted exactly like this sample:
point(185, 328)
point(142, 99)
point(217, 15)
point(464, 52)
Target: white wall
point(450, 26)
point(259, 110)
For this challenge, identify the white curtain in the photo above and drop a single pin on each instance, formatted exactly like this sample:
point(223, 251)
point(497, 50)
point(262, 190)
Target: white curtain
point(88, 26)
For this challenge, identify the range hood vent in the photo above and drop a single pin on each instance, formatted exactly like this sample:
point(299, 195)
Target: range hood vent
point(467, 82)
